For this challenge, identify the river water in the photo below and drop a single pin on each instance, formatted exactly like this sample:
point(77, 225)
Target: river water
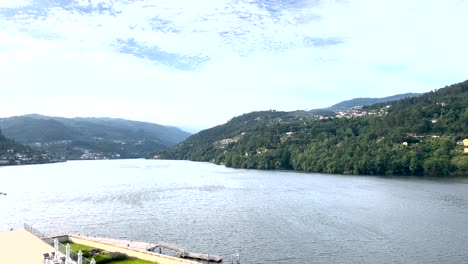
point(268, 217)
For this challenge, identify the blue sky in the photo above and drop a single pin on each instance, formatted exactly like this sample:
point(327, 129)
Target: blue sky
point(199, 63)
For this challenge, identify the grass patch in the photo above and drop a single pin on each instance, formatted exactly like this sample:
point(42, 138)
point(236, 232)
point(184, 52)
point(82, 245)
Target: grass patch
point(106, 258)
point(132, 261)
point(78, 247)
point(103, 259)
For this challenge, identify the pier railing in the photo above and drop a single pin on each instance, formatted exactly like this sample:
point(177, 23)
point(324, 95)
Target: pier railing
point(51, 241)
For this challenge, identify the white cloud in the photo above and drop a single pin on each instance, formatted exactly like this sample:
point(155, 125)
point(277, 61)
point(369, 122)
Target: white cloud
point(14, 3)
point(66, 64)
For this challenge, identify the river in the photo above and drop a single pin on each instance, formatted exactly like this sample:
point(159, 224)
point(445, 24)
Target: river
point(268, 217)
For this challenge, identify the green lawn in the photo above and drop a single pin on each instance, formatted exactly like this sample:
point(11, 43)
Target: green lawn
point(132, 261)
point(78, 247)
point(105, 258)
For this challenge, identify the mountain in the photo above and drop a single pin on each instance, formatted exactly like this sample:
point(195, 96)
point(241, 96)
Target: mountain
point(90, 138)
point(360, 102)
point(412, 136)
point(193, 129)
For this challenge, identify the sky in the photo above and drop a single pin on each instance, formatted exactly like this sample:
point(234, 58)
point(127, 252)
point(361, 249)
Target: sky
point(199, 63)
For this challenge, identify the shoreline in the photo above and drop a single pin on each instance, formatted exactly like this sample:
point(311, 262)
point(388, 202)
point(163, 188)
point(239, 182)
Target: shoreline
point(33, 163)
point(395, 176)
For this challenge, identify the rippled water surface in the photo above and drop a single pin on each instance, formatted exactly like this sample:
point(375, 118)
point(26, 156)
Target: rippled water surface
point(269, 217)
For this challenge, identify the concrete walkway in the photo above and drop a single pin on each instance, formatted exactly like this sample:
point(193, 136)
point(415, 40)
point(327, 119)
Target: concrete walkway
point(21, 247)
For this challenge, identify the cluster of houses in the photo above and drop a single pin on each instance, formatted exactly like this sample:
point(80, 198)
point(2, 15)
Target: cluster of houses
point(224, 142)
point(11, 157)
point(358, 112)
point(89, 155)
point(463, 143)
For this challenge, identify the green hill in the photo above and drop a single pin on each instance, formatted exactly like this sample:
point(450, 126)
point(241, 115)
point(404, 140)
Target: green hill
point(413, 136)
point(12, 153)
point(91, 138)
point(6, 144)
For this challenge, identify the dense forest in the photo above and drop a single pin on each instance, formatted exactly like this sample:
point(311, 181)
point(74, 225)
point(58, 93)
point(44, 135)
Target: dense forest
point(6, 144)
point(413, 136)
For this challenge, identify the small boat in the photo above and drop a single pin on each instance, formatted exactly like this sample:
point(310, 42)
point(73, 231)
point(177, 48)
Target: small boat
point(2, 193)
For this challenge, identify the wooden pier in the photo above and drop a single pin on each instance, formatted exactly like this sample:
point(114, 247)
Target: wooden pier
point(182, 253)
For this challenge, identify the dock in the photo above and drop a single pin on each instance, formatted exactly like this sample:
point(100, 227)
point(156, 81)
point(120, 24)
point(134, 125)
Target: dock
point(31, 246)
point(152, 247)
point(182, 253)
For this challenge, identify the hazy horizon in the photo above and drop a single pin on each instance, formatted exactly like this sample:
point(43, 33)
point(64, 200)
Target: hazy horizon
point(187, 128)
point(196, 65)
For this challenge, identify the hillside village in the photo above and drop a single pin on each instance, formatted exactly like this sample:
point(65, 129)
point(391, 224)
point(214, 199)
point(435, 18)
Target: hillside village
point(15, 157)
point(357, 111)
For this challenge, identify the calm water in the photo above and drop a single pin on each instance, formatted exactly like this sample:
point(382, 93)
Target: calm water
point(269, 217)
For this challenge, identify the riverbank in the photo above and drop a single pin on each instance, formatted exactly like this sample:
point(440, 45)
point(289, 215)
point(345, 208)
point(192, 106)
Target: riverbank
point(22, 247)
point(8, 163)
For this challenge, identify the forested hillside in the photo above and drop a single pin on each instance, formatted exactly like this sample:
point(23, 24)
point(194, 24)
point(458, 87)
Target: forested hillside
point(4, 143)
point(12, 153)
point(414, 136)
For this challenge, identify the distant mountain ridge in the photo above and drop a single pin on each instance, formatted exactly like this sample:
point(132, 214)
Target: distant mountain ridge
point(365, 101)
point(90, 138)
point(360, 101)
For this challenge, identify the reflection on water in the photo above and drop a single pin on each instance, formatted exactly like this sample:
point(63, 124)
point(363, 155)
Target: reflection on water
point(269, 217)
